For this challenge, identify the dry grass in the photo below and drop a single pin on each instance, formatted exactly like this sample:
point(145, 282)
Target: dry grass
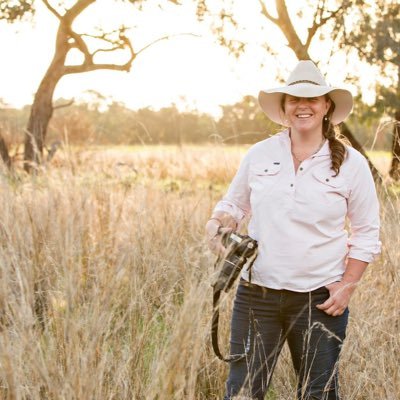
point(105, 283)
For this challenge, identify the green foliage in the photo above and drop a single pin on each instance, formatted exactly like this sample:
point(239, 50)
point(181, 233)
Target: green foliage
point(244, 122)
point(118, 124)
point(367, 124)
point(375, 35)
point(240, 123)
point(14, 10)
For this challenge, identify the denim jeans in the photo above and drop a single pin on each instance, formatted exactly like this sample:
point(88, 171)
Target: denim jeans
point(263, 319)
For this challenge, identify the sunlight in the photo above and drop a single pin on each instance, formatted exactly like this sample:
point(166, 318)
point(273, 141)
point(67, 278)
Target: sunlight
point(192, 72)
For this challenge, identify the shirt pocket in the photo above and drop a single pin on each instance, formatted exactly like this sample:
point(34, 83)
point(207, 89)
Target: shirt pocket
point(263, 177)
point(328, 189)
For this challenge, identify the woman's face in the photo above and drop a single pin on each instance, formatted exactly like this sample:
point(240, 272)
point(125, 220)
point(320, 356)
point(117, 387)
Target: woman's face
point(305, 114)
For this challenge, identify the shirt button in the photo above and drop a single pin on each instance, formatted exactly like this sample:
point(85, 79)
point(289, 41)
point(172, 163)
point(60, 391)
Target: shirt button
point(327, 180)
point(265, 170)
point(291, 185)
point(301, 168)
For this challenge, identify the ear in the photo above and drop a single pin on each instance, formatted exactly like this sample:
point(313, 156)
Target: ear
point(328, 104)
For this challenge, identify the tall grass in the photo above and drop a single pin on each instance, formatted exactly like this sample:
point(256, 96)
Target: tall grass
point(105, 283)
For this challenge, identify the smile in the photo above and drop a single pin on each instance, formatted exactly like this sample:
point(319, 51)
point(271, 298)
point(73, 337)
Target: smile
point(303, 115)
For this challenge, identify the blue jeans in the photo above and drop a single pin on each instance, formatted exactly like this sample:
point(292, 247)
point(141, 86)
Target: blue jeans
point(263, 319)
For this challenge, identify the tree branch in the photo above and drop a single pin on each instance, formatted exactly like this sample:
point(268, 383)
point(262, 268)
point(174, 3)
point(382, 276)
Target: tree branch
point(77, 69)
point(266, 14)
point(318, 22)
point(52, 9)
point(287, 28)
point(81, 45)
point(69, 103)
point(76, 9)
point(165, 38)
point(118, 47)
point(104, 35)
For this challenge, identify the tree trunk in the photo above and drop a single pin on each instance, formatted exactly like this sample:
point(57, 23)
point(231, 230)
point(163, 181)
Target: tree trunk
point(5, 155)
point(42, 107)
point(301, 51)
point(395, 167)
point(355, 143)
point(41, 112)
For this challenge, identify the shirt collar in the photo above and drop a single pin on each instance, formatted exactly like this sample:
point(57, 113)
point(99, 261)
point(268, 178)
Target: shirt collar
point(323, 151)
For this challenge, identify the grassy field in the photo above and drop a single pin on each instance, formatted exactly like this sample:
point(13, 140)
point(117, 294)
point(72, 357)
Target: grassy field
point(105, 282)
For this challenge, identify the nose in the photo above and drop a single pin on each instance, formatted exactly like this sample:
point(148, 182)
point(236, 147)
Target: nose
point(304, 101)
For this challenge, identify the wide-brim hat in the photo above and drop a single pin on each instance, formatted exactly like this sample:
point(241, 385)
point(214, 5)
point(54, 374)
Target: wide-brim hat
point(306, 80)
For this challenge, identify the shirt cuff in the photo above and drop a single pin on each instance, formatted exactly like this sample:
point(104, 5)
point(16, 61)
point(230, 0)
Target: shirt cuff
point(365, 255)
point(230, 208)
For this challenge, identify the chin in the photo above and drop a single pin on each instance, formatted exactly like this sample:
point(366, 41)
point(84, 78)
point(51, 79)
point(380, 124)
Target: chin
point(307, 127)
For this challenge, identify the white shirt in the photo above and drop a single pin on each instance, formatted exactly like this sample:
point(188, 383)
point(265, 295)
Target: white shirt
point(299, 219)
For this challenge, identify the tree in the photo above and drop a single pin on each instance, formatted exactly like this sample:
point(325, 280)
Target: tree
point(243, 122)
point(322, 16)
point(67, 39)
point(376, 37)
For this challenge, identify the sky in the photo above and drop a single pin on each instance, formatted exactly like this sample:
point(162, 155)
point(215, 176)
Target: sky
point(193, 72)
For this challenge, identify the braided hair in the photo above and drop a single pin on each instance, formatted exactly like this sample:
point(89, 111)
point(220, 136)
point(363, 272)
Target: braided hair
point(337, 142)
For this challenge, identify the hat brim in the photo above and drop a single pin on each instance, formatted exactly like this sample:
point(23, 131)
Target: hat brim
point(270, 100)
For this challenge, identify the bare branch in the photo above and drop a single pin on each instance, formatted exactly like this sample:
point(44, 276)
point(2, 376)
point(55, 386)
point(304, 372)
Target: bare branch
point(75, 10)
point(287, 28)
point(119, 47)
point(266, 14)
point(52, 9)
point(77, 69)
point(104, 35)
point(318, 22)
point(166, 38)
point(89, 65)
point(81, 45)
point(69, 103)
point(118, 44)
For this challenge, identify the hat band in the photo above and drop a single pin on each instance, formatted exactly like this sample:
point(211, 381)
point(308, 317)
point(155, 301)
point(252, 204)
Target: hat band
point(304, 81)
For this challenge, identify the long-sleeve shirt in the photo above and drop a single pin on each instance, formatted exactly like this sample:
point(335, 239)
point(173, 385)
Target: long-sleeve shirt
point(299, 218)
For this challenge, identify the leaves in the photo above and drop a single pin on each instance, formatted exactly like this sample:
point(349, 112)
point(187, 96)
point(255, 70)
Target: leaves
point(15, 10)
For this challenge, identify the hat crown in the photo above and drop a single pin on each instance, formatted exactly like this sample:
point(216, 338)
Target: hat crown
point(306, 72)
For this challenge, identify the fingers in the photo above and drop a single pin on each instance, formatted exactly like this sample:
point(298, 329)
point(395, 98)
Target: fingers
point(216, 246)
point(337, 302)
point(334, 310)
point(215, 243)
point(326, 305)
point(221, 231)
point(214, 232)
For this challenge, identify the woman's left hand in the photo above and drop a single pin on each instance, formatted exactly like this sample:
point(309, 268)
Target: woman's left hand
point(339, 298)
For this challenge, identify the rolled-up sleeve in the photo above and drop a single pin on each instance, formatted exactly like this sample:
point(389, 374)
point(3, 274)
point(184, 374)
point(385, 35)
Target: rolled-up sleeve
point(363, 213)
point(236, 201)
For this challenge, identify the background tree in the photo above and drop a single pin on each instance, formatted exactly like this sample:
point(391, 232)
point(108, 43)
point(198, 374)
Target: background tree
point(376, 37)
point(244, 122)
point(323, 17)
point(67, 39)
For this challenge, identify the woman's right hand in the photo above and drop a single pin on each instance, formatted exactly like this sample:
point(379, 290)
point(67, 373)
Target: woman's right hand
point(215, 229)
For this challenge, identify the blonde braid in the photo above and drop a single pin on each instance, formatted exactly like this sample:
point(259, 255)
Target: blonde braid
point(337, 142)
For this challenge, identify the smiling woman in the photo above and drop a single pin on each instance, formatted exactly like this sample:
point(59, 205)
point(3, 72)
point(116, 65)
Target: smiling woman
point(305, 114)
point(307, 265)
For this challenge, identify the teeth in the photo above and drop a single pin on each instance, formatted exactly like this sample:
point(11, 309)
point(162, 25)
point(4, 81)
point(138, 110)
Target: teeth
point(303, 115)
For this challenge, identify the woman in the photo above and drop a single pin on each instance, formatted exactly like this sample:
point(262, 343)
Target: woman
point(298, 187)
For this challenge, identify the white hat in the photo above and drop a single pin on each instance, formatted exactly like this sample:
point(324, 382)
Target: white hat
point(306, 80)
